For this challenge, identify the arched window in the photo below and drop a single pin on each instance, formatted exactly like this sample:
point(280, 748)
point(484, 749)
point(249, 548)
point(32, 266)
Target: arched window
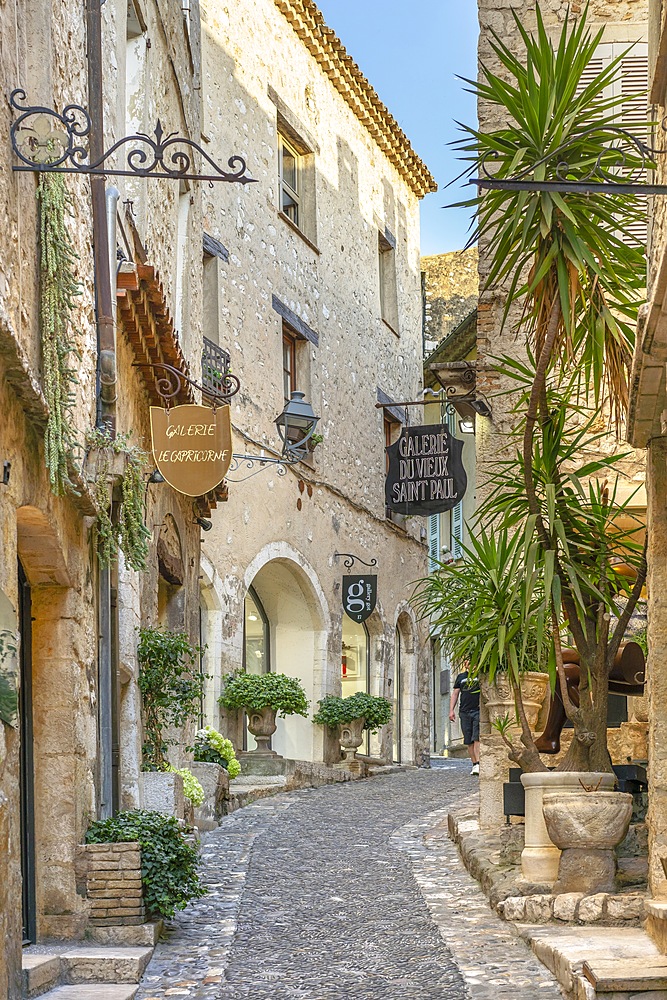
point(256, 636)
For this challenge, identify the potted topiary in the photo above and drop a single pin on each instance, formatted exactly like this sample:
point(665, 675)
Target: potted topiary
point(351, 717)
point(262, 697)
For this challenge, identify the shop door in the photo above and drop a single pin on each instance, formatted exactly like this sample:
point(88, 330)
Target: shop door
point(398, 689)
point(27, 769)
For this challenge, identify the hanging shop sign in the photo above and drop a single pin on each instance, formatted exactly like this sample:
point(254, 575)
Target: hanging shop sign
point(360, 594)
point(192, 446)
point(426, 474)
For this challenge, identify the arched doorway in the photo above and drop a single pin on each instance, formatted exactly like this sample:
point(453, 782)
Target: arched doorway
point(404, 688)
point(356, 663)
point(285, 631)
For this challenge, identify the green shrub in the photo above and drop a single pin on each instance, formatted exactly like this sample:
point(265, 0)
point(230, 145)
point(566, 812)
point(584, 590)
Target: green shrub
point(168, 863)
point(257, 691)
point(211, 747)
point(171, 689)
point(335, 711)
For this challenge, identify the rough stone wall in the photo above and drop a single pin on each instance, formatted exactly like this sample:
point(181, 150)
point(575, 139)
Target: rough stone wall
point(333, 287)
point(623, 21)
point(451, 286)
point(53, 536)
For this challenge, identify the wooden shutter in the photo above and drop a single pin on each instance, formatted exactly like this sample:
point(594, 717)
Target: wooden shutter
point(433, 542)
point(457, 531)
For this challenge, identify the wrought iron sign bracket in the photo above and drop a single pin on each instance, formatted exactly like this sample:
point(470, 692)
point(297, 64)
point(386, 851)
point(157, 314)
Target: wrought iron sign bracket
point(261, 461)
point(169, 387)
point(616, 169)
point(349, 560)
point(47, 142)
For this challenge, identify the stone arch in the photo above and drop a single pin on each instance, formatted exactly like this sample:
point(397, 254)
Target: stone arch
point(211, 621)
point(404, 687)
point(299, 625)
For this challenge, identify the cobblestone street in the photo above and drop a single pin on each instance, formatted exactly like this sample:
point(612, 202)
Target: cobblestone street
point(331, 894)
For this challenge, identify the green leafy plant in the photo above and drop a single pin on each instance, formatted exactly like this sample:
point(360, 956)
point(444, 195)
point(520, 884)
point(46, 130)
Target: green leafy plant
point(130, 532)
point(257, 691)
point(573, 269)
point(171, 688)
point(192, 787)
point(212, 747)
point(58, 290)
point(334, 711)
point(168, 863)
point(488, 609)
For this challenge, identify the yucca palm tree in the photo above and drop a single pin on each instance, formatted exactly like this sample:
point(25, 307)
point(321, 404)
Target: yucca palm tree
point(570, 262)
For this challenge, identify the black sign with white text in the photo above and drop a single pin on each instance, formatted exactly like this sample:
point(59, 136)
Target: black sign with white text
point(426, 474)
point(359, 596)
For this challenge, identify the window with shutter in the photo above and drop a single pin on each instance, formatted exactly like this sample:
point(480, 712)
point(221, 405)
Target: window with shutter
point(457, 531)
point(433, 542)
point(631, 81)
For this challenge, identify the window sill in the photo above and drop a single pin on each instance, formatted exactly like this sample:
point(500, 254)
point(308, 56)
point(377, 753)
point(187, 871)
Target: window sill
point(299, 232)
point(390, 327)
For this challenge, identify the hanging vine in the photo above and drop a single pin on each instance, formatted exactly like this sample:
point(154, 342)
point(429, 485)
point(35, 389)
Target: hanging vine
point(129, 533)
point(58, 290)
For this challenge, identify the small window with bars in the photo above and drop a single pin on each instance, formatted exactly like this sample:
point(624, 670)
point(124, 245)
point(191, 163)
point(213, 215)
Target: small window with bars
point(215, 364)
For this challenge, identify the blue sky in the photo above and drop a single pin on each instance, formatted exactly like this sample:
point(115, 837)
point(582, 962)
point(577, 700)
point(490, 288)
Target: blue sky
point(412, 53)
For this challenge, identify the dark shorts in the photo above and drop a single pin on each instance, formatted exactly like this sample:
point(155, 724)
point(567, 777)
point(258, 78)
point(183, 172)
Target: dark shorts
point(470, 726)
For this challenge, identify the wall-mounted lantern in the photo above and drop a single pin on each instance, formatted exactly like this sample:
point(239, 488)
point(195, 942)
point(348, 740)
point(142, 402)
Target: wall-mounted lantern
point(296, 426)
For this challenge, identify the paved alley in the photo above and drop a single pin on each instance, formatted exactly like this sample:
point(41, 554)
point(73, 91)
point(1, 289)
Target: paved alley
point(330, 894)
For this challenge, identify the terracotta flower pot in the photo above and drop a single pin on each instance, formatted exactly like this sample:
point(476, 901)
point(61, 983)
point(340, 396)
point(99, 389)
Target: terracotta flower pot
point(540, 856)
point(499, 699)
point(351, 736)
point(262, 725)
point(587, 826)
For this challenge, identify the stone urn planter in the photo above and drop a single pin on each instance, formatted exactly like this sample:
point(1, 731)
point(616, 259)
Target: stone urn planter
point(499, 699)
point(540, 856)
point(351, 736)
point(587, 826)
point(262, 725)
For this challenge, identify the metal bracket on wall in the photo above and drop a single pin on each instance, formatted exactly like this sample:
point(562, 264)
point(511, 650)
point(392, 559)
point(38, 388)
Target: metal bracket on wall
point(350, 560)
point(48, 142)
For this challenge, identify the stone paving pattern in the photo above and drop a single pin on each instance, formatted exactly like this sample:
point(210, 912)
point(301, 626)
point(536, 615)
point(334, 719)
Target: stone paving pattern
point(332, 893)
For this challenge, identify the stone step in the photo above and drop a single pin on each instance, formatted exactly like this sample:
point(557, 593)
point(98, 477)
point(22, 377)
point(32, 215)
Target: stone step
point(40, 973)
point(139, 935)
point(627, 975)
point(100, 991)
point(82, 963)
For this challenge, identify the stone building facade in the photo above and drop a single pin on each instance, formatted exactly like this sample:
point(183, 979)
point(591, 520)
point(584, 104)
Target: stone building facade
point(624, 23)
point(71, 755)
point(336, 280)
point(317, 289)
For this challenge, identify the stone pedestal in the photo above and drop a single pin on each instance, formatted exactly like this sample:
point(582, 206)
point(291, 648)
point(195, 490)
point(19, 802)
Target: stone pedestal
point(163, 793)
point(215, 782)
point(540, 856)
point(587, 826)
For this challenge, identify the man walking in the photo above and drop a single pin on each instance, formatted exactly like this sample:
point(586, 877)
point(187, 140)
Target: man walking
point(468, 691)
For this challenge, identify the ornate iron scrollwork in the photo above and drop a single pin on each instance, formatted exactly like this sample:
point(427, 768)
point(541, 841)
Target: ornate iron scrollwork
point(617, 167)
point(46, 141)
point(350, 560)
point(170, 385)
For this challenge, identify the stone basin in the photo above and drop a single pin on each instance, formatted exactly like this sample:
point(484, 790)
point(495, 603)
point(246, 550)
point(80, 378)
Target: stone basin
point(587, 820)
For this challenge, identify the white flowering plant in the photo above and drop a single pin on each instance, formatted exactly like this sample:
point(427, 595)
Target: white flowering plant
point(211, 747)
point(192, 788)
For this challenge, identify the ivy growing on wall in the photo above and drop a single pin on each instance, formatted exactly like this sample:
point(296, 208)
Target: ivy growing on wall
point(129, 533)
point(58, 290)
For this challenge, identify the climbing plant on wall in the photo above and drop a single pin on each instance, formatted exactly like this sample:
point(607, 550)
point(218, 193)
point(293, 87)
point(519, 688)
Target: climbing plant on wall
point(129, 532)
point(58, 290)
